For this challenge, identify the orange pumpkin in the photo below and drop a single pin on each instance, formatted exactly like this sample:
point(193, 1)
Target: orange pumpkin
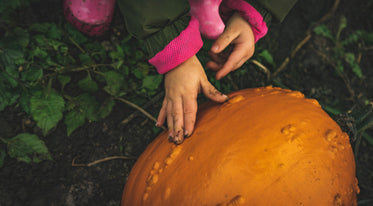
point(265, 146)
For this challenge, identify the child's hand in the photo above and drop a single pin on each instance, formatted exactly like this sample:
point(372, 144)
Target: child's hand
point(239, 33)
point(182, 85)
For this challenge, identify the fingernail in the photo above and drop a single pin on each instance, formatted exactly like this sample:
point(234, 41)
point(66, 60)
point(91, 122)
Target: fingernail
point(170, 138)
point(156, 124)
point(215, 48)
point(179, 140)
point(226, 97)
point(186, 133)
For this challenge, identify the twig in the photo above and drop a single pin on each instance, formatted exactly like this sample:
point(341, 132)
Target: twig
point(101, 160)
point(300, 45)
point(235, 87)
point(344, 78)
point(77, 45)
point(307, 38)
point(151, 102)
point(138, 108)
point(264, 68)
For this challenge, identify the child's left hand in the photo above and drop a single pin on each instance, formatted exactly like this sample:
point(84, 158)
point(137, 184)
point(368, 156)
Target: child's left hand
point(239, 33)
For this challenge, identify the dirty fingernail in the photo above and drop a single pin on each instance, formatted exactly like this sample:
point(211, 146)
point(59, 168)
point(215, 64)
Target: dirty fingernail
point(179, 140)
point(186, 134)
point(170, 138)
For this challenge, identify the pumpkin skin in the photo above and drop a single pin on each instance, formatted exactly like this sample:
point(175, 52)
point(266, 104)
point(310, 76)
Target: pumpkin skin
point(264, 146)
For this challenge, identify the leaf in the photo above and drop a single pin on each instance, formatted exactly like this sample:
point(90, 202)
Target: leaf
point(350, 59)
point(13, 75)
point(115, 82)
point(141, 70)
point(367, 37)
point(73, 120)
point(2, 157)
point(12, 57)
point(21, 36)
point(54, 32)
point(152, 82)
point(40, 27)
point(87, 84)
point(7, 97)
point(75, 34)
point(88, 105)
point(63, 79)
point(368, 138)
point(324, 31)
point(28, 148)
point(46, 109)
point(38, 52)
point(267, 56)
point(106, 107)
point(85, 59)
point(32, 74)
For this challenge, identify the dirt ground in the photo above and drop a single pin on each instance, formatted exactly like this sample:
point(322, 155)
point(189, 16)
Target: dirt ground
point(59, 183)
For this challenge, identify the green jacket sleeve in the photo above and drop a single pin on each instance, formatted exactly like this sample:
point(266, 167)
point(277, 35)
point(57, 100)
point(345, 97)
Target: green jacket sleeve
point(157, 22)
point(273, 9)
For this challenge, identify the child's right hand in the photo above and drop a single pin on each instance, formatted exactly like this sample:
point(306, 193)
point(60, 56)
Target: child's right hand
point(182, 85)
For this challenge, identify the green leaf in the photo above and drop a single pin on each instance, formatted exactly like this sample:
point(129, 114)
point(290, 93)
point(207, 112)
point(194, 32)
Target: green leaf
point(12, 57)
point(74, 120)
point(367, 37)
point(38, 52)
point(141, 70)
point(40, 27)
point(115, 82)
point(54, 32)
point(21, 36)
point(350, 58)
point(2, 157)
point(46, 109)
point(32, 74)
point(87, 84)
point(75, 34)
point(13, 75)
point(152, 82)
point(28, 148)
point(324, 31)
point(85, 59)
point(63, 79)
point(106, 107)
point(88, 105)
point(368, 138)
point(267, 56)
point(24, 101)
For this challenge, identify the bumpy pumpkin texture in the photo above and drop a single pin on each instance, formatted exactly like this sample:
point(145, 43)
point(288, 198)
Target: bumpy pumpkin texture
point(265, 146)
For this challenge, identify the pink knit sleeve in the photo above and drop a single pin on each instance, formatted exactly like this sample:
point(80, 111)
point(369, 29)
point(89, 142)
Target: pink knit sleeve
point(184, 46)
point(248, 12)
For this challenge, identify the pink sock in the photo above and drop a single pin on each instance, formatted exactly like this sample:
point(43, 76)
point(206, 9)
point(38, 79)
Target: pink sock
point(207, 14)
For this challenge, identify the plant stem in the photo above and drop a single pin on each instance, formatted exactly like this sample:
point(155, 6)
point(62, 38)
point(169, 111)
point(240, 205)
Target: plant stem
point(4, 140)
point(77, 45)
point(101, 160)
point(138, 108)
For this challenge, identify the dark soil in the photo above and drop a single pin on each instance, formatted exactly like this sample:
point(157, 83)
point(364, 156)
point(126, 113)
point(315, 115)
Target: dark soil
point(59, 183)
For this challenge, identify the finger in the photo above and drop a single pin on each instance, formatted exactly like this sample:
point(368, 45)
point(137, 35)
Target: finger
point(178, 118)
point(170, 121)
point(213, 66)
point(224, 40)
point(162, 115)
point(212, 93)
point(219, 57)
point(190, 111)
point(235, 60)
